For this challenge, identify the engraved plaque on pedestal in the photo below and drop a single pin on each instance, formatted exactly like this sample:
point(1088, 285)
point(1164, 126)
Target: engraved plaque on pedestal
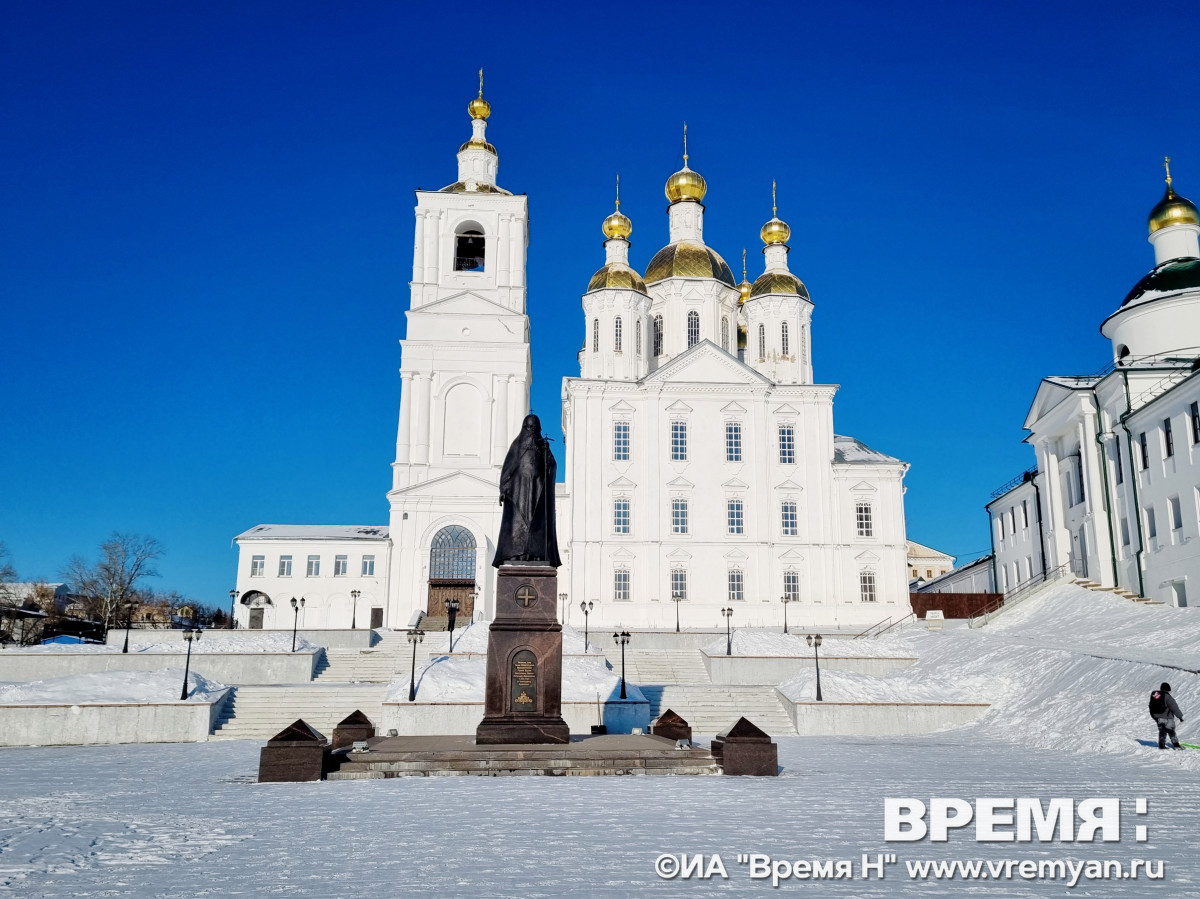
point(523, 684)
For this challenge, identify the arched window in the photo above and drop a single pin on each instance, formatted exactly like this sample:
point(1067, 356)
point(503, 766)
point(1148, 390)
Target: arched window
point(617, 334)
point(658, 335)
point(468, 249)
point(693, 326)
point(452, 554)
point(725, 333)
point(762, 342)
point(595, 335)
point(637, 338)
point(783, 339)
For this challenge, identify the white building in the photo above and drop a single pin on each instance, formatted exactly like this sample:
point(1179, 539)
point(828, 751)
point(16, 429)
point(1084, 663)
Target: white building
point(1116, 491)
point(692, 468)
point(925, 563)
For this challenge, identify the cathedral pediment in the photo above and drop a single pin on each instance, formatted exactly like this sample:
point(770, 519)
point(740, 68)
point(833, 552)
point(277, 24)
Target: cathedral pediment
point(465, 303)
point(785, 409)
point(706, 363)
point(679, 555)
point(622, 555)
point(621, 406)
point(735, 555)
point(792, 555)
point(867, 556)
point(789, 484)
point(733, 409)
point(735, 484)
point(679, 407)
point(456, 484)
point(864, 487)
point(622, 483)
point(681, 484)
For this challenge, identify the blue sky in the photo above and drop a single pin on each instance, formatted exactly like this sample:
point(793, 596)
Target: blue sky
point(208, 227)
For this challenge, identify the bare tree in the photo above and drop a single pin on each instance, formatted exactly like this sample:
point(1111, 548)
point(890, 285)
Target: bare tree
point(8, 575)
point(108, 586)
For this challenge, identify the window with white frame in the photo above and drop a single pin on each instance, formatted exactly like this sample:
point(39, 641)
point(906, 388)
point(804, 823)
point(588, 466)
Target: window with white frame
point(864, 519)
point(762, 343)
point(1176, 513)
point(787, 445)
point(621, 585)
point(620, 441)
point(679, 516)
point(679, 581)
point(658, 335)
point(737, 585)
point(866, 586)
point(1028, 567)
point(621, 515)
point(1124, 531)
point(679, 441)
point(791, 585)
point(341, 565)
point(1024, 513)
point(693, 328)
point(257, 565)
point(285, 566)
point(1145, 450)
point(733, 441)
point(368, 566)
point(314, 567)
point(1151, 525)
point(618, 326)
point(788, 518)
point(735, 516)
point(595, 335)
point(1168, 439)
point(784, 343)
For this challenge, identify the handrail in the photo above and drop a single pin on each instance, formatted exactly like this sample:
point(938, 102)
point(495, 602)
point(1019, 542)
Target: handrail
point(895, 624)
point(1019, 593)
point(1027, 475)
point(871, 628)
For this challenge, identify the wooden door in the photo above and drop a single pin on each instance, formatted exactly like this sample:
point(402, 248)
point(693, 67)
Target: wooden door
point(376, 617)
point(256, 619)
point(441, 589)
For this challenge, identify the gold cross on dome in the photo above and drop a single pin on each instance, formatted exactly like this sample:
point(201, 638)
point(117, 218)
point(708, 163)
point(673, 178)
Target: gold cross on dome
point(526, 596)
point(1167, 166)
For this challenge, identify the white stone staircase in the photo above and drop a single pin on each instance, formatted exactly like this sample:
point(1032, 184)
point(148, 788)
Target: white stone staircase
point(661, 666)
point(711, 708)
point(258, 713)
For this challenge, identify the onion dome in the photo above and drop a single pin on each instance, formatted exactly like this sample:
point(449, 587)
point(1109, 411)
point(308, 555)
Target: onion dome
point(686, 184)
point(617, 226)
point(1172, 209)
point(779, 282)
point(479, 108)
point(1169, 277)
point(745, 287)
point(688, 259)
point(774, 231)
point(617, 275)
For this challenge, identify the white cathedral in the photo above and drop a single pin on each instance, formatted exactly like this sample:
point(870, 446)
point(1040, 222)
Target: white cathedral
point(702, 468)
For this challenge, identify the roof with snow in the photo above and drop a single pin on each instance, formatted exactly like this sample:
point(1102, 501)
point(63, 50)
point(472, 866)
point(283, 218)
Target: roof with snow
point(314, 532)
point(1169, 277)
point(854, 452)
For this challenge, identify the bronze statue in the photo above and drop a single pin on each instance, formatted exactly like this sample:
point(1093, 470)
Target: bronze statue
point(527, 532)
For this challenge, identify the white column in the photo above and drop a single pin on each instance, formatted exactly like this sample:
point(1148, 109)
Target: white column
point(503, 253)
point(419, 247)
point(433, 248)
point(1058, 536)
point(1096, 472)
point(424, 384)
point(404, 432)
point(501, 437)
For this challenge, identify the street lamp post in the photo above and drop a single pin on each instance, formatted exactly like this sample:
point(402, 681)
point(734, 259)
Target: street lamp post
point(815, 643)
point(677, 598)
point(622, 639)
point(785, 599)
point(296, 607)
point(415, 636)
point(562, 597)
point(130, 605)
point(451, 613)
point(188, 634)
point(354, 595)
point(586, 608)
point(233, 595)
point(728, 613)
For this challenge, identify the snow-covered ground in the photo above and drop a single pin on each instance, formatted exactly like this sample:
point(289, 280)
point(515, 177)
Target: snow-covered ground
point(474, 638)
point(162, 685)
point(209, 643)
point(448, 679)
point(763, 642)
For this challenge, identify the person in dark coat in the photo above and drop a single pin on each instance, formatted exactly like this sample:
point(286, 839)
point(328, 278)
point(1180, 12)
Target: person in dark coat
point(1165, 711)
point(527, 531)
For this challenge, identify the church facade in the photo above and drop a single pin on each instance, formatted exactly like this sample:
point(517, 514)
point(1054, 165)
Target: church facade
point(702, 467)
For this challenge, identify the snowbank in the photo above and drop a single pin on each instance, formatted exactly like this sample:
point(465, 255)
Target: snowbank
point(210, 643)
point(162, 685)
point(474, 639)
point(759, 642)
point(447, 679)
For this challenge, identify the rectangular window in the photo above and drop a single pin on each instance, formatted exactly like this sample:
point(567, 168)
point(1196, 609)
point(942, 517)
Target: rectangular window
point(368, 566)
point(787, 445)
point(1012, 518)
point(285, 566)
point(620, 516)
point(1145, 451)
point(791, 585)
point(735, 516)
point(1117, 461)
point(257, 565)
point(341, 565)
point(679, 583)
point(314, 567)
point(1028, 567)
point(621, 585)
point(866, 586)
point(866, 527)
point(1024, 513)
point(679, 516)
point(1124, 531)
point(1151, 526)
point(733, 441)
point(737, 584)
point(1168, 439)
point(679, 441)
point(1079, 478)
point(788, 519)
point(620, 441)
point(1194, 415)
point(1176, 513)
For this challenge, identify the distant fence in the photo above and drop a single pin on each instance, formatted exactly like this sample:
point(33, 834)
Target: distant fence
point(954, 605)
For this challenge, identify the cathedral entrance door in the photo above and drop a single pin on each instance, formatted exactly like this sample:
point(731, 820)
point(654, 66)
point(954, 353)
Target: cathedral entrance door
point(440, 591)
point(256, 619)
point(452, 572)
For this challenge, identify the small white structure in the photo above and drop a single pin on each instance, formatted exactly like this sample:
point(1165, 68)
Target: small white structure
point(925, 563)
point(1114, 495)
point(974, 577)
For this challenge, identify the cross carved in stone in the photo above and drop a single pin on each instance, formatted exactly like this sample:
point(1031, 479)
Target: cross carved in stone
point(526, 596)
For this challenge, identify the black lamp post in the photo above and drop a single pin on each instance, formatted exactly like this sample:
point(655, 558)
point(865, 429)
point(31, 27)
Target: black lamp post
point(130, 605)
point(354, 595)
point(622, 639)
point(728, 613)
point(562, 597)
point(586, 608)
point(233, 595)
point(676, 598)
point(415, 636)
point(189, 634)
point(296, 607)
point(451, 613)
point(815, 643)
point(785, 599)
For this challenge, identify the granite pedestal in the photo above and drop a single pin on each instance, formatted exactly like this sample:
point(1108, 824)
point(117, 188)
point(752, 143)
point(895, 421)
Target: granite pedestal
point(296, 753)
point(746, 749)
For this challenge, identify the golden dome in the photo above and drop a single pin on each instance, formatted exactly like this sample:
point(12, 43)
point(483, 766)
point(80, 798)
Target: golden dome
point(745, 289)
point(774, 231)
point(473, 144)
point(479, 108)
point(686, 185)
point(688, 259)
point(617, 275)
point(778, 282)
point(617, 225)
point(1173, 209)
